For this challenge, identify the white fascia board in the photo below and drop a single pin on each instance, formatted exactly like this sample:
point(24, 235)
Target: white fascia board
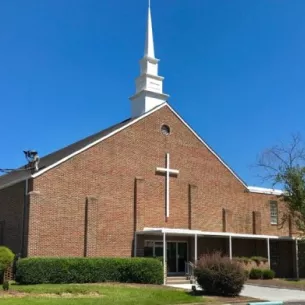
point(98, 141)
point(262, 190)
point(208, 147)
point(205, 233)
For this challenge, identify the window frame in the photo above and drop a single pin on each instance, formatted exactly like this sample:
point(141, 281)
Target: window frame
point(273, 204)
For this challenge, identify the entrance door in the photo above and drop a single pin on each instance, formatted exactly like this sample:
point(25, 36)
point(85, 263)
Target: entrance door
point(176, 257)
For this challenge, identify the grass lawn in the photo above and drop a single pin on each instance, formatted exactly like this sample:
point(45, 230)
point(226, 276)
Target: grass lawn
point(104, 294)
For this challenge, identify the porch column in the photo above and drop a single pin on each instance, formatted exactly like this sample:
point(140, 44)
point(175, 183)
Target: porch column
point(196, 254)
point(164, 259)
point(135, 242)
point(268, 252)
point(297, 259)
point(230, 247)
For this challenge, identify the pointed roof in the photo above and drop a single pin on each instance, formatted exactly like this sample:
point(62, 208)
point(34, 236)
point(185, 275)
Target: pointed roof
point(149, 42)
point(56, 158)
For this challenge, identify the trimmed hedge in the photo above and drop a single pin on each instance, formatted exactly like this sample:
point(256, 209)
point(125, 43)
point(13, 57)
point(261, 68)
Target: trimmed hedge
point(256, 274)
point(89, 270)
point(268, 274)
point(6, 257)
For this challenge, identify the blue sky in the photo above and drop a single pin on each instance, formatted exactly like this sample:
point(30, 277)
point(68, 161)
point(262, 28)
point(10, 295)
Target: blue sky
point(234, 70)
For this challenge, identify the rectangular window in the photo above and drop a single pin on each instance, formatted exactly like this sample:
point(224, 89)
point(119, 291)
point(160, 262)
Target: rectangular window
point(149, 248)
point(273, 213)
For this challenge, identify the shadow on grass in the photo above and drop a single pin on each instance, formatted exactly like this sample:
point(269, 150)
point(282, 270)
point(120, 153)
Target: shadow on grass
point(205, 294)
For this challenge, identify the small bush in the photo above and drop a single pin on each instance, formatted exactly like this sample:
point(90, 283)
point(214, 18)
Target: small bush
point(242, 259)
point(6, 286)
point(219, 275)
point(268, 274)
point(6, 257)
point(247, 273)
point(89, 270)
point(259, 259)
point(256, 274)
point(1, 273)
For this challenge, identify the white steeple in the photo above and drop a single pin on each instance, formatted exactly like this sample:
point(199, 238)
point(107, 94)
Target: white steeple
point(149, 85)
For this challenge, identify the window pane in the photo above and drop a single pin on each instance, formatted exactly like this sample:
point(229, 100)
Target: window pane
point(148, 251)
point(159, 252)
point(273, 212)
point(148, 248)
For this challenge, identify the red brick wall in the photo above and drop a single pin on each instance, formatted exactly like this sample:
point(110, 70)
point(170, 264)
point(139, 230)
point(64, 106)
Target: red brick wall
point(11, 216)
point(120, 174)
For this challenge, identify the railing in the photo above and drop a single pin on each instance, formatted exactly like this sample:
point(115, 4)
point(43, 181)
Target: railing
point(189, 270)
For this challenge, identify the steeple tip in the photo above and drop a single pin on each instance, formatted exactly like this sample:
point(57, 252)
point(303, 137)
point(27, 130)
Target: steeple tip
point(149, 85)
point(149, 43)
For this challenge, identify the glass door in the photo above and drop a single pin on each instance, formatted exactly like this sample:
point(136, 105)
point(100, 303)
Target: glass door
point(171, 257)
point(176, 257)
point(181, 257)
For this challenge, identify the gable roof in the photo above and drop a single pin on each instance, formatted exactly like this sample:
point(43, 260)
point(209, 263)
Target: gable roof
point(52, 160)
point(209, 148)
point(47, 161)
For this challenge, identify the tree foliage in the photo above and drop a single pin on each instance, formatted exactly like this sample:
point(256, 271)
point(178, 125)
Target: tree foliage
point(284, 165)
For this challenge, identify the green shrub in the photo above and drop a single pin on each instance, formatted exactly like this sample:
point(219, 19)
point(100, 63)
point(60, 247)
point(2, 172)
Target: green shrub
point(6, 257)
point(89, 270)
point(219, 275)
point(1, 273)
point(256, 274)
point(268, 274)
point(6, 286)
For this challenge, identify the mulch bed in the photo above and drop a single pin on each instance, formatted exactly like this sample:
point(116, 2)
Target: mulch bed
point(279, 283)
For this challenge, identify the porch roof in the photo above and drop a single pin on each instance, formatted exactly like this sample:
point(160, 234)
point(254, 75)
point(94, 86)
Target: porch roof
point(187, 232)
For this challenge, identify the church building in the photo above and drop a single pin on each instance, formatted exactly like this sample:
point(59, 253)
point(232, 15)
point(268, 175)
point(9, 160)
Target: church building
point(147, 186)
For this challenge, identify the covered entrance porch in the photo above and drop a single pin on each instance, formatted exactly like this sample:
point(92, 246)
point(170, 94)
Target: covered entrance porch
point(180, 248)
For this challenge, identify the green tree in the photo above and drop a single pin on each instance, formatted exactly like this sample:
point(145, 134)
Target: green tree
point(284, 165)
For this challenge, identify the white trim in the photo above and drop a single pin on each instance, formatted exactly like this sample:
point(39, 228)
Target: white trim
point(262, 190)
point(208, 147)
point(196, 248)
point(164, 258)
point(297, 259)
point(98, 141)
point(160, 231)
point(230, 247)
point(268, 252)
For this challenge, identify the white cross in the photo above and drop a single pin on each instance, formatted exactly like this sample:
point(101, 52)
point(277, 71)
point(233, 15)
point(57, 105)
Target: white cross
point(167, 171)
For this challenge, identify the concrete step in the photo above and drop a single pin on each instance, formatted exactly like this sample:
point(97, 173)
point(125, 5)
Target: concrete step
point(177, 280)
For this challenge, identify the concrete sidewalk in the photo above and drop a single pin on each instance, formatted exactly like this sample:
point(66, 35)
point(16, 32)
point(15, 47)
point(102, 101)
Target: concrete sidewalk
point(263, 293)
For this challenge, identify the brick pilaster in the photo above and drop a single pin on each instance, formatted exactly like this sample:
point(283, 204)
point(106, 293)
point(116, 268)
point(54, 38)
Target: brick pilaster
point(91, 226)
point(257, 222)
point(139, 203)
point(227, 220)
point(193, 195)
point(33, 224)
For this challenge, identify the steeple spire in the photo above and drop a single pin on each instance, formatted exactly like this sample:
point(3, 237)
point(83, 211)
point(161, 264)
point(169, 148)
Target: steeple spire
point(149, 43)
point(149, 85)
